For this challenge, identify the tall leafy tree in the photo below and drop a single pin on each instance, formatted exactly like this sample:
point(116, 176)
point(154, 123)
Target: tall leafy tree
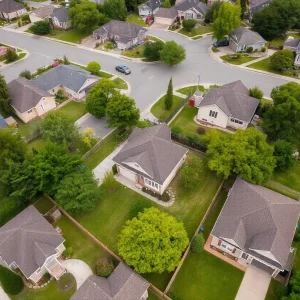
point(245, 153)
point(4, 96)
point(152, 50)
point(85, 16)
point(153, 242)
point(172, 54)
point(282, 120)
point(227, 19)
point(115, 9)
point(282, 60)
point(98, 97)
point(78, 192)
point(121, 111)
point(169, 96)
point(59, 128)
point(212, 12)
point(284, 154)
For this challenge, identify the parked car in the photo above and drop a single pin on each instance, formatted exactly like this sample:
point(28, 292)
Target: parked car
point(223, 43)
point(123, 69)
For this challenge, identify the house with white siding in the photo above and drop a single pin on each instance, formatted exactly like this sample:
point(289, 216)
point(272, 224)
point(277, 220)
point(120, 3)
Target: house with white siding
point(191, 9)
point(228, 106)
point(28, 242)
point(256, 227)
point(293, 45)
point(11, 9)
point(149, 8)
point(150, 158)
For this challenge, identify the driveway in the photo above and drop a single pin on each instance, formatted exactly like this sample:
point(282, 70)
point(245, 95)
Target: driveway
point(255, 285)
point(78, 268)
point(98, 125)
point(3, 295)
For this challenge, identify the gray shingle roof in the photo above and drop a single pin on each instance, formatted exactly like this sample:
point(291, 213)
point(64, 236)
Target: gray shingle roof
point(153, 150)
point(24, 94)
point(61, 13)
point(292, 43)
point(69, 76)
point(153, 4)
point(255, 3)
point(233, 99)
point(122, 284)
point(184, 5)
point(124, 30)
point(44, 11)
point(257, 218)
point(28, 239)
point(169, 13)
point(9, 6)
point(244, 36)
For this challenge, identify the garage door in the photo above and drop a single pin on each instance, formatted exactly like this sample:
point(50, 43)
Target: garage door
point(128, 174)
point(232, 45)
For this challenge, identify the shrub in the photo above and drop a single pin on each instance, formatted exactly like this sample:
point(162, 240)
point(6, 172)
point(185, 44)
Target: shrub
point(255, 92)
point(68, 252)
point(151, 50)
point(26, 74)
point(40, 71)
point(104, 267)
point(284, 154)
point(25, 18)
point(93, 67)
point(282, 60)
point(47, 276)
point(263, 49)
point(11, 55)
point(66, 61)
point(109, 182)
point(114, 169)
point(12, 283)
point(198, 243)
point(297, 235)
point(201, 130)
point(249, 49)
point(176, 130)
point(165, 196)
point(60, 94)
point(143, 124)
point(238, 56)
point(189, 24)
point(41, 28)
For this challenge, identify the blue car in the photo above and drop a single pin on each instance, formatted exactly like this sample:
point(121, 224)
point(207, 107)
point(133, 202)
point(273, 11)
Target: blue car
point(123, 69)
point(223, 43)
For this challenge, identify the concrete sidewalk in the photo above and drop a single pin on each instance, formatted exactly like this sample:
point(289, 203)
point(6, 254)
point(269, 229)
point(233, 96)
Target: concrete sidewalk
point(3, 295)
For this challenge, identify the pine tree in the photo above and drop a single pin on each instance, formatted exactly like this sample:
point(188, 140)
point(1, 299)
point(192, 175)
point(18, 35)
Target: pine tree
point(169, 96)
point(4, 96)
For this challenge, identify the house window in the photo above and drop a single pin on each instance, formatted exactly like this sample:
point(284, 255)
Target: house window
point(14, 265)
point(213, 113)
point(42, 107)
point(151, 184)
point(29, 111)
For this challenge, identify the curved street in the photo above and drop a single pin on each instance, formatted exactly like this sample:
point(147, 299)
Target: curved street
point(148, 81)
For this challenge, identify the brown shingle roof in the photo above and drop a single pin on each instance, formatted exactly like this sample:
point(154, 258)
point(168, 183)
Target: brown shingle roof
point(24, 94)
point(44, 11)
point(28, 239)
point(168, 13)
point(9, 6)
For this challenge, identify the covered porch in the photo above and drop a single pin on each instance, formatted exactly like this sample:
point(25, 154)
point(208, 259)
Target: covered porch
point(55, 268)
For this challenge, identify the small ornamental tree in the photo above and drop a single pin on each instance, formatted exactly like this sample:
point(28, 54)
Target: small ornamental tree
point(169, 96)
point(153, 242)
point(93, 67)
point(88, 137)
point(198, 243)
point(41, 28)
point(283, 152)
point(172, 54)
point(104, 267)
point(282, 60)
point(255, 92)
point(151, 50)
point(166, 4)
point(26, 74)
point(189, 24)
point(11, 55)
point(4, 96)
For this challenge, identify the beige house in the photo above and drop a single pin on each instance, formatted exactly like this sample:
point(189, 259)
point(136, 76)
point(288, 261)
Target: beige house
point(28, 100)
point(10, 9)
point(165, 16)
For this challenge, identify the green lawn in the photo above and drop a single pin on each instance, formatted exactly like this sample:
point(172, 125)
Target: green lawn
point(120, 83)
point(191, 89)
point(74, 110)
point(20, 56)
point(245, 58)
point(43, 205)
point(196, 31)
point(73, 36)
point(135, 19)
point(276, 43)
point(294, 35)
point(152, 296)
point(264, 65)
point(25, 129)
point(159, 111)
point(137, 52)
point(104, 74)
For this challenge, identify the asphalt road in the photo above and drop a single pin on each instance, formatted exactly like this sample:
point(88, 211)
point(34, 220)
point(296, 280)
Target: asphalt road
point(148, 81)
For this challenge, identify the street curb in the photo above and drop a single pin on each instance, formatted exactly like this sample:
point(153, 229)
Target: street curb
point(15, 62)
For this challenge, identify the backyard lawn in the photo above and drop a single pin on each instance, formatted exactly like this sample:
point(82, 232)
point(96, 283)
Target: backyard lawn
point(245, 58)
point(73, 36)
point(43, 205)
point(196, 31)
point(159, 111)
point(189, 90)
point(120, 83)
point(74, 110)
point(135, 19)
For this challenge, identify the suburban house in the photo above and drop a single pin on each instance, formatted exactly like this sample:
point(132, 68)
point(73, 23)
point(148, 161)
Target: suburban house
point(191, 9)
point(149, 8)
point(124, 34)
point(229, 105)
point(28, 242)
point(28, 100)
point(256, 227)
point(166, 16)
point(293, 45)
point(150, 158)
point(75, 81)
point(122, 284)
point(57, 16)
point(11, 9)
point(255, 6)
point(241, 39)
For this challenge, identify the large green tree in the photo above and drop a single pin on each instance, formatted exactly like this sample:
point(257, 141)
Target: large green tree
point(282, 60)
point(169, 96)
point(153, 242)
point(284, 154)
point(59, 128)
point(78, 192)
point(282, 120)
point(227, 19)
point(244, 153)
point(152, 50)
point(85, 16)
point(115, 9)
point(51, 165)
point(172, 54)
point(4, 96)
point(98, 97)
point(121, 111)
point(212, 12)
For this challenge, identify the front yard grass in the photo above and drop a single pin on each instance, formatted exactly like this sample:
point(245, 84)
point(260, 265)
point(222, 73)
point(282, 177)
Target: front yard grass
point(73, 36)
point(196, 31)
point(136, 19)
point(120, 83)
point(20, 56)
point(264, 65)
point(74, 110)
point(159, 111)
point(189, 90)
point(137, 52)
point(245, 58)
